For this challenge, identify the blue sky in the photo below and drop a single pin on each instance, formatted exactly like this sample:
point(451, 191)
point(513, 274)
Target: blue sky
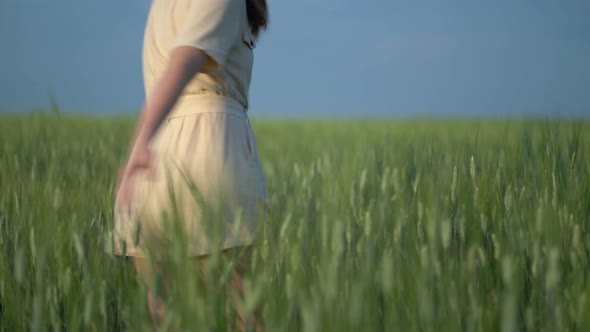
point(321, 57)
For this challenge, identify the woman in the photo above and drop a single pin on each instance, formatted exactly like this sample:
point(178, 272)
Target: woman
point(193, 151)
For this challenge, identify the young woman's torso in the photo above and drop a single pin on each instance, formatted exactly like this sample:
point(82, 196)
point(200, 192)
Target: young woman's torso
point(165, 21)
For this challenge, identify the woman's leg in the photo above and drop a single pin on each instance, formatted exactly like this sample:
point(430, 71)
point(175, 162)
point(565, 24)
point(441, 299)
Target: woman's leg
point(235, 286)
point(152, 278)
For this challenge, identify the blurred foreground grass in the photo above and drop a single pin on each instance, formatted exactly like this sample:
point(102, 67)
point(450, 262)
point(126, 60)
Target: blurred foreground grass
point(409, 225)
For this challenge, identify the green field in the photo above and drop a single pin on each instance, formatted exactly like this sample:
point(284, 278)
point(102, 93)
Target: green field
point(380, 225)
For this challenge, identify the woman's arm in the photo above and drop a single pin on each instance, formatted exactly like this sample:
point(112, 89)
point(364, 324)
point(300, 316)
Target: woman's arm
point(184, 63)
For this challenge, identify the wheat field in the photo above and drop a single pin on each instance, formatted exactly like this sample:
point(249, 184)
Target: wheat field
point(374, 225)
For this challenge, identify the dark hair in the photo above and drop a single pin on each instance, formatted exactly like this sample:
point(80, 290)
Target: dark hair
point(257, 15)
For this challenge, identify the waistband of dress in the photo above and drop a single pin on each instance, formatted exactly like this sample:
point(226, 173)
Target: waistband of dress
point(206, 103)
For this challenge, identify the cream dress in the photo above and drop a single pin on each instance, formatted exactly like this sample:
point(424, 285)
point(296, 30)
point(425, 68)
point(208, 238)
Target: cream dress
point(207, 191)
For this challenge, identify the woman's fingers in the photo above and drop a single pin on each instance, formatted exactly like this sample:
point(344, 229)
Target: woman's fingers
point(124, 195)
point(139, 160)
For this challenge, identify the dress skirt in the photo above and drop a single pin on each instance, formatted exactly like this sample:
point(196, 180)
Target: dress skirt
point(205, 191)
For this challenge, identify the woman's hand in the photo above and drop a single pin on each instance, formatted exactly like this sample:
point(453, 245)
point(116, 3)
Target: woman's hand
point(140, 159)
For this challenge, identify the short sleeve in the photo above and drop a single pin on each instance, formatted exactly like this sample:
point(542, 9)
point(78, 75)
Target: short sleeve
point(212, 26)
